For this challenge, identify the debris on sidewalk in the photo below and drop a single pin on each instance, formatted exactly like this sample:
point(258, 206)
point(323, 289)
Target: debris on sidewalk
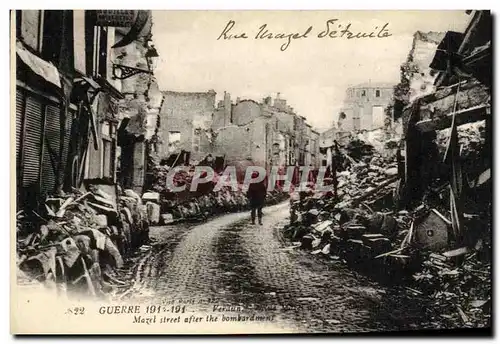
point(415, 247)
point(80, 239)
point(205, 201)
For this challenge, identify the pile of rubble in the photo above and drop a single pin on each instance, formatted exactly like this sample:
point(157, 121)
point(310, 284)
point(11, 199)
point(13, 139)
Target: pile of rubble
point(223, 201)
point(472, 143)
point(358, 148)
point(362, 228)
point(471, 137)
point(366, 182)
point(347, 224)
point(206, 201)
point(458, 283)
point(78, 242)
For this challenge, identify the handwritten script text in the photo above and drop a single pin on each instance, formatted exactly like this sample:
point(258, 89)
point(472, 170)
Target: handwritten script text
point(331, 29)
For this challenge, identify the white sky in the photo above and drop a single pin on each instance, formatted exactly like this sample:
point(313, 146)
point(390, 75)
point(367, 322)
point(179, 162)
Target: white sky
point(312, 74)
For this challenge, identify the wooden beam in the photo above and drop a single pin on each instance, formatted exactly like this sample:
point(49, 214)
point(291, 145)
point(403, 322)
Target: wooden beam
point(42, 93)
point(443, 92)
point(448, 90)
point(481, 55)
point(473, 114)
point(471, 29)
point(466, 98)
point(356, 201)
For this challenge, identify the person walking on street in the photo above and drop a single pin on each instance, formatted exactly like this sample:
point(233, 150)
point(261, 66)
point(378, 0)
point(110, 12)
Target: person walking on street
point(256, 195)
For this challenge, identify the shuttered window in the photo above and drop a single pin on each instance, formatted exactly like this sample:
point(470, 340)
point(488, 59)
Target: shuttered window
point(108, 150)
point(66, 144)
point(139, 158)
point(107, 170)
point(38, 145)
point(20, 99)
point(20, 105)
point(51, 149)
point(32, 142)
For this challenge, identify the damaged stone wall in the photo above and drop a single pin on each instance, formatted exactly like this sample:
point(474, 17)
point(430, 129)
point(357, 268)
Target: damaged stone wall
point(264, 133)
point(190, 114)
point(246, 142)
point(141, 107)
point(223, 114)
point(423, 49)
point(246, 137)
point(245, 112)
point(360, 104)
point(234, 142)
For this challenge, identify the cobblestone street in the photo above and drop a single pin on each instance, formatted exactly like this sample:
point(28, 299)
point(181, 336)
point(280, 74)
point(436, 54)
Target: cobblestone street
point(203, 172)
point(251, 269)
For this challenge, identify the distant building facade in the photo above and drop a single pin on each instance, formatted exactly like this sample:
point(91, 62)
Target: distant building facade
point(269, 133)
point(185, 123)
point(364, 106)
point(314, 149)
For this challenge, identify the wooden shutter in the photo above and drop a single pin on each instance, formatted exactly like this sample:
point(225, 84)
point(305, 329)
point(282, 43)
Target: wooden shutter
point(107, 168)
point(20, 104)
point(32, 142)
point(138, 163)
point(67, 141)
point(51, 149)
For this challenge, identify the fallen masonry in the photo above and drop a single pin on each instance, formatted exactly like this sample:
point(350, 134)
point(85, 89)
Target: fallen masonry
point(414, 248)
point(205, 202)
point(77, 242)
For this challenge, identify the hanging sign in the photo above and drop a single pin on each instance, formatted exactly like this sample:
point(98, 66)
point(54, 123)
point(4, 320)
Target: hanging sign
point(116, 18)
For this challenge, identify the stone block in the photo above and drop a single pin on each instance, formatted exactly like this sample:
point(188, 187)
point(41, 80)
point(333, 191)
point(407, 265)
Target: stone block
point(151, 197)
point(101, 220)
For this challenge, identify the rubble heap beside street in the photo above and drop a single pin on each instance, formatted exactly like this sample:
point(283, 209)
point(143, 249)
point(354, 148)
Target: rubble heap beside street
point(364, 228)
point(203, 203)
point(80, 241)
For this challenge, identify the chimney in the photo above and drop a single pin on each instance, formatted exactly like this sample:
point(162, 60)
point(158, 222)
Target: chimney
point(278, 95)
point(237, 100)
point(227, 108)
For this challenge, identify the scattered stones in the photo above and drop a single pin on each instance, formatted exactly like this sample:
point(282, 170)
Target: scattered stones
point(167, 219)
point(90, 231)
point(306, 242)
point(151, 197)
point(153, 211)
point(392, 171)
point(307, 299)
point(333, 321)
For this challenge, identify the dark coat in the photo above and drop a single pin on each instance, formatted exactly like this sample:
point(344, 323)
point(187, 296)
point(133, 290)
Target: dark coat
point(257, 192)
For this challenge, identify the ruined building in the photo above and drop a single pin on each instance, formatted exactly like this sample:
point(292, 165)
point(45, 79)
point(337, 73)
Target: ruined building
point(185, 120)
point(67, 101)
point(364, 106)
point(268, 133)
